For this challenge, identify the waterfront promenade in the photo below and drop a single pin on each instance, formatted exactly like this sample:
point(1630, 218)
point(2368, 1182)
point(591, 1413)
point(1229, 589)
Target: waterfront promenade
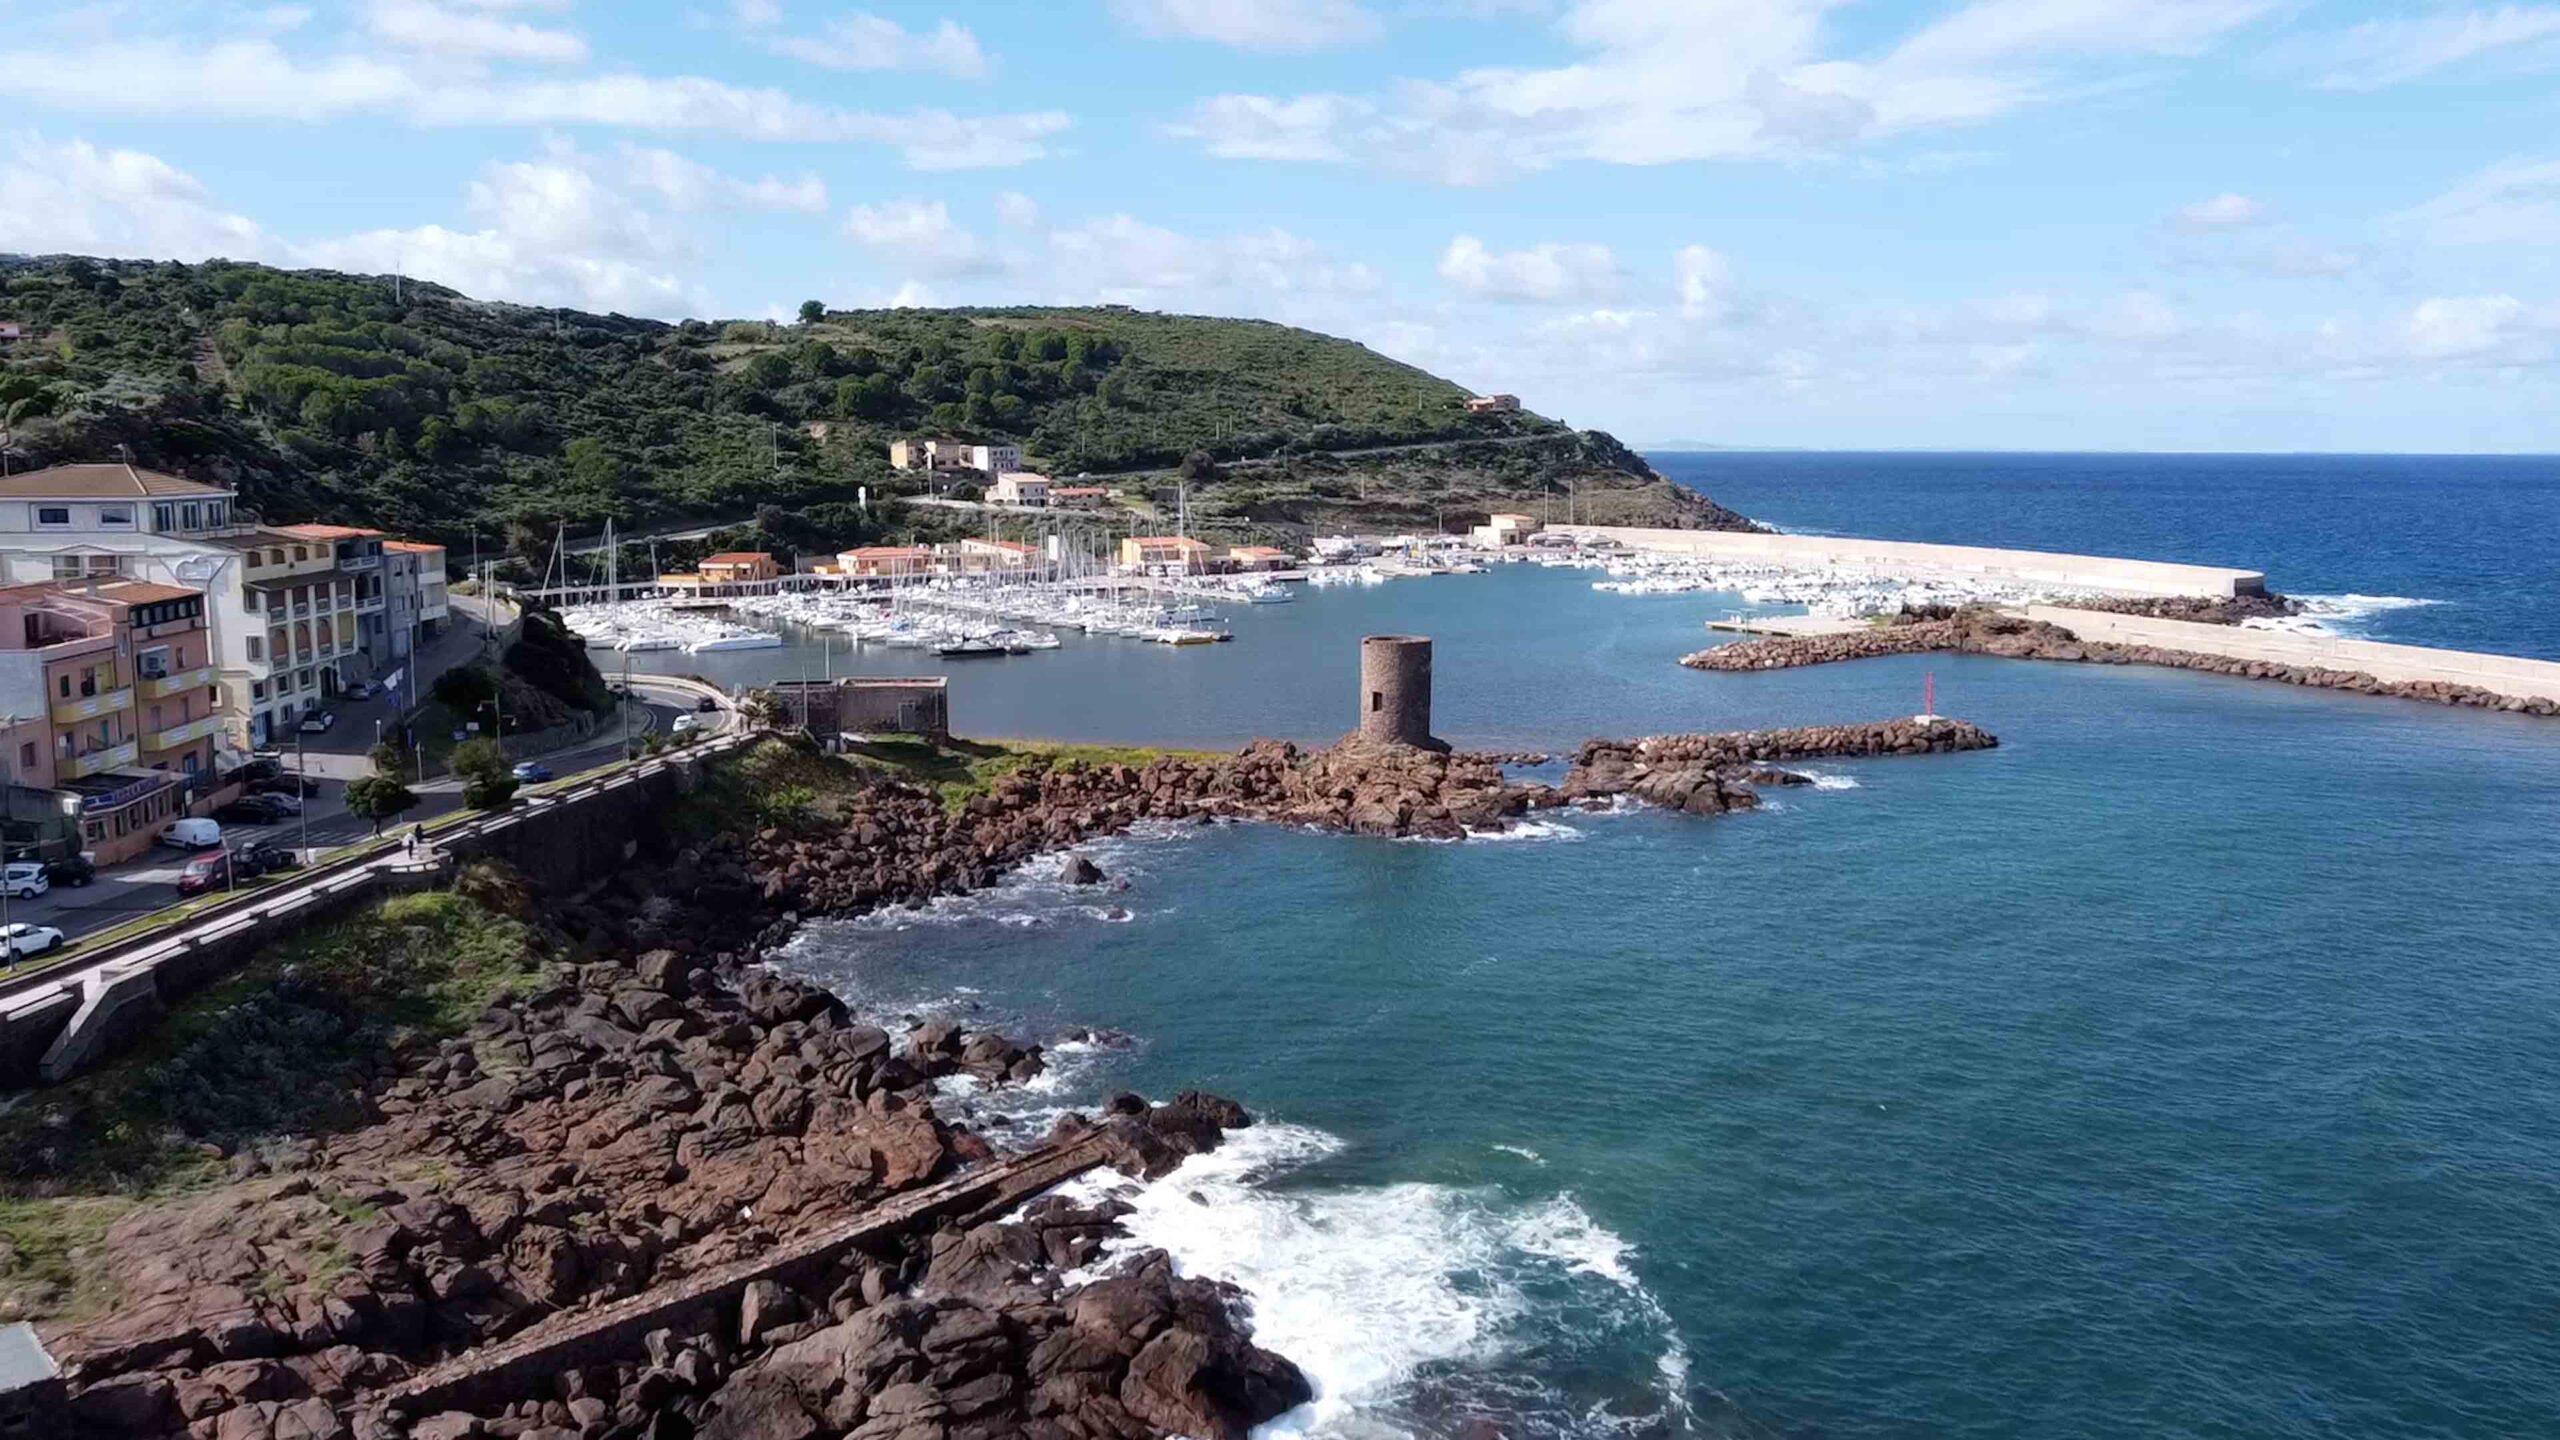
point(2096, 573)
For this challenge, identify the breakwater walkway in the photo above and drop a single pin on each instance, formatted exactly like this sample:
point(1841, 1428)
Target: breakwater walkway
point(2104, 574)
point(584, 1337)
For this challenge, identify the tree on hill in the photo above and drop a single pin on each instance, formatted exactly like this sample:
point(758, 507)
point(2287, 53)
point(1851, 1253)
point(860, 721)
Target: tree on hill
point(812, 311)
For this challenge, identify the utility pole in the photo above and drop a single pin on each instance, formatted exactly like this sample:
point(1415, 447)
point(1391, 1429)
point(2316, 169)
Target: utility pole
point(626, 704)
point(301, 778)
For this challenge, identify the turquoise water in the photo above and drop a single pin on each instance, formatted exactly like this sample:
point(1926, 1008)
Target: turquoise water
point(2184, 1066)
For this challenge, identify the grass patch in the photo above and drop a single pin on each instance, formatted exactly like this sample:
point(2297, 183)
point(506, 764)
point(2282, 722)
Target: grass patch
point(277, 1048)
point(960, 770)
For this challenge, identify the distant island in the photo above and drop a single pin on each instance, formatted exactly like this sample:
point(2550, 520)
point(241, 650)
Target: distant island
point(424, 411)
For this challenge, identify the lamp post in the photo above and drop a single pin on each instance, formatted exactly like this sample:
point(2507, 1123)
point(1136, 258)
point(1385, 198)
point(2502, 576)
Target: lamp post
point(301, 777)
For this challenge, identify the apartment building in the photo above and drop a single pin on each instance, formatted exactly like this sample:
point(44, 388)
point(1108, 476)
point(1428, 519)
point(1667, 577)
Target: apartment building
point(109, 708)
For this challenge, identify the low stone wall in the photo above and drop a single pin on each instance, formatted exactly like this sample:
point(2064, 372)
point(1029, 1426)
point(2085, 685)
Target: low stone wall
point(2413, 665)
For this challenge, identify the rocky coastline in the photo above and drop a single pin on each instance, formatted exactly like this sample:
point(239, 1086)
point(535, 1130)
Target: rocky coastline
point(663, 1105)
point(1982, 631)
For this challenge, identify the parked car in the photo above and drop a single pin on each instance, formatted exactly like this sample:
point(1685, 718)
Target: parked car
point(362, 690)
point(258, 771)
point(206, 873)
point(285, 784)
point(284, 800)
point(706, 705)
point(72, 870)
point(319, 721)
point(24, 879)
point(195, 832)
point(22, 939)
point(252, 810)
point(532, 772)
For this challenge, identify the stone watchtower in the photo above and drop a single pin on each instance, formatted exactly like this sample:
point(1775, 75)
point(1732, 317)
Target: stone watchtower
point(1395, 691)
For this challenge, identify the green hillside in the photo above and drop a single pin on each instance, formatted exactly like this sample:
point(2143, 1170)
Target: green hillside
point(424, 411)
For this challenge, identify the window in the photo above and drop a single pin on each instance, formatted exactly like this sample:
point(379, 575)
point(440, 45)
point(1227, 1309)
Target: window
point(217, 514)
point(102, 565)
point(66, 567)
point(27, 755)
point(257, 648)
point(115, 517)
point(190, 517)
point(155, 663)
point(164, 516)
point(257, 688)
point(53, 517)
point(65, 682)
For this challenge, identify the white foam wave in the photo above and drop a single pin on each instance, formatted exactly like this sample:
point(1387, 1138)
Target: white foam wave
point(1366, 1287)
point(1524, 1152)
point(2336, 614)
point(1530, 830)
point(1824, 781)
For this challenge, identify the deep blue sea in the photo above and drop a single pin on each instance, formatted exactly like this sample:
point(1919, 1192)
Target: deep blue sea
point(2188, 1065)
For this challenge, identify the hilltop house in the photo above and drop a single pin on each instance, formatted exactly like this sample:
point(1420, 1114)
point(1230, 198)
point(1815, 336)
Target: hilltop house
point(1492, 404)
point(1020, 487)
point(738, 567)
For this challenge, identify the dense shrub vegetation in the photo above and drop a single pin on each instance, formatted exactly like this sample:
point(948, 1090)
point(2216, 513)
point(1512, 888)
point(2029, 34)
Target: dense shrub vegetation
point(426, 412)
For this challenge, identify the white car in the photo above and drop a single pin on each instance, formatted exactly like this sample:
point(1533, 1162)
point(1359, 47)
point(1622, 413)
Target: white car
point(22, 938)
point(684, 725)
point(24, 880)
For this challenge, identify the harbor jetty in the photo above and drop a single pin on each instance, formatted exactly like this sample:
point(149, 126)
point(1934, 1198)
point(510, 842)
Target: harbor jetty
point(2049, 632)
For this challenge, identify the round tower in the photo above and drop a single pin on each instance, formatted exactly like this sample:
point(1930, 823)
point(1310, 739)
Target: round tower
point(1395, 690)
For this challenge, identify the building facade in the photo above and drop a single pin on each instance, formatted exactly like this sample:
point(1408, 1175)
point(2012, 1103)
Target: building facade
point(112, 703)
point(1020, 487)
point(992, 459)
point(1164, 552)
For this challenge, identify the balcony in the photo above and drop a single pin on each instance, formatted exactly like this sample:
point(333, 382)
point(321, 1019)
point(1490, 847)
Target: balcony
point(159, 687)
point(186, 734)
point(90, 707)
point(96, 762)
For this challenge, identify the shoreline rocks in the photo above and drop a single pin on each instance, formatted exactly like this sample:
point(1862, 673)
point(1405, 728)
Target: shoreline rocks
point(1713, 774)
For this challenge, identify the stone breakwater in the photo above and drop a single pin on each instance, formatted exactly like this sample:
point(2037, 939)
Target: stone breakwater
point(1991, 633)
point(1712, 774)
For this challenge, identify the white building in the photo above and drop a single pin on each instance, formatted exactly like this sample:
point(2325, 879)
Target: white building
point(994, 459)
point(1020, 487)
point(283, 615)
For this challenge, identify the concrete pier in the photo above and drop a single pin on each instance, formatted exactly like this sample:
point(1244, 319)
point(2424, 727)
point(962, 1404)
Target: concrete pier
point(2098, 574)
point(2400, 664)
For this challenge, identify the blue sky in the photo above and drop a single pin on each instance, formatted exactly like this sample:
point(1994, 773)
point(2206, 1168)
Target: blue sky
point(2119, 224)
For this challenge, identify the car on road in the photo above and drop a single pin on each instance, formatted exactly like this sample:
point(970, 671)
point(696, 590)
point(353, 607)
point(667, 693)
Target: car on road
point(195, 832)
point(22, 939)
point(532, 772)
point(705, 706)
point(362, 690)
point(287, 783)
point(319, 721)
point(683, 725)
point(207, 873)
point(24, 880)
point(252, 810)
point(72, 870)
point(264, 858)
point(284, 800)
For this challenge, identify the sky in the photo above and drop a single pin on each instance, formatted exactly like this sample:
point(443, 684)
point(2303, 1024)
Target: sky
point(2017, 224)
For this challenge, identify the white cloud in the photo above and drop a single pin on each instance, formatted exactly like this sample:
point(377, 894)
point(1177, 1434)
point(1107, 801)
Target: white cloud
point(863, 41)
point(755, 14)
point(2226, 211)
point(1258, 127)
point(2140, 316)
point(2514, 202)
point(75, 197)
point(689, 185)
point(1123, 260)
point(2380, 53)
point(1661, 83)
point(921, 235)
point(255, 79)
point(426, 26)
point(2447, 327)
point(1016, 210)
point(1283, 26)
point(1703, 280)
point(1548, 274)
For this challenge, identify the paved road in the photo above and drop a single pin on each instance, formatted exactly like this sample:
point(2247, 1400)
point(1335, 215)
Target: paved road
point(149, 883)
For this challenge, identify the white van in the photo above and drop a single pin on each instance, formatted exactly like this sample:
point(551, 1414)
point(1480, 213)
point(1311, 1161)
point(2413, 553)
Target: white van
point(193, 833)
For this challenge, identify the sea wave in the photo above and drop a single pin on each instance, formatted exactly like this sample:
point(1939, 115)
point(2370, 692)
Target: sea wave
point(1823, 780)
point(1376, 1291)
point(2337, 614)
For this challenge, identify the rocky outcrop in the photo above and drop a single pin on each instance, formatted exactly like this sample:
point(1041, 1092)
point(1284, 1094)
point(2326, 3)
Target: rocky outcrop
point(1712, 774)
point(1983, 631)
